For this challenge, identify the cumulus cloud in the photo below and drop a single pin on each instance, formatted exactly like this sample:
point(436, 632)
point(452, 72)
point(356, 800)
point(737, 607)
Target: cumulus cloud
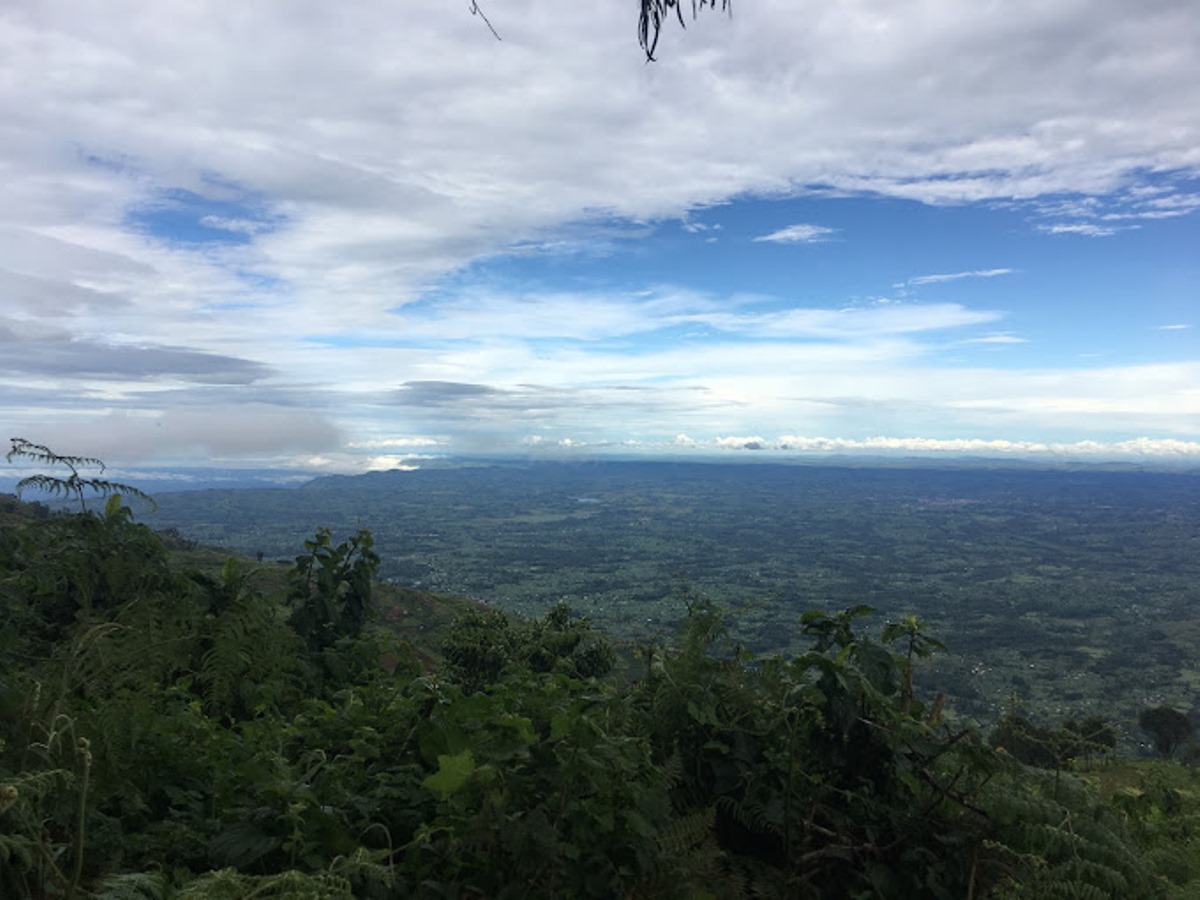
point(740, 443)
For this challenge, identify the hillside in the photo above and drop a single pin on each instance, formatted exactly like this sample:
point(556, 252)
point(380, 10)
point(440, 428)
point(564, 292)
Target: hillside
point(1078, 591)
point(171, 730)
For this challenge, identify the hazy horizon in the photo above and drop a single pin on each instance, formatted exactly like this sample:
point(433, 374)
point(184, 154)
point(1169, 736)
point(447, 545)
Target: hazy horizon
point(169, 479)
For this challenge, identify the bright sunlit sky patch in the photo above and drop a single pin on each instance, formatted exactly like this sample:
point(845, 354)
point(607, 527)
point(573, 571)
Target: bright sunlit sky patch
point(344, 236)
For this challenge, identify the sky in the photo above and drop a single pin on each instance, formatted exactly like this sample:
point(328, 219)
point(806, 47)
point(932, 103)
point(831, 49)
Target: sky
point(338, 237)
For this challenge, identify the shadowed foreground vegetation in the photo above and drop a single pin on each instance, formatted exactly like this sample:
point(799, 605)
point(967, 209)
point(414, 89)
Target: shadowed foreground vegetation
point(173, 729)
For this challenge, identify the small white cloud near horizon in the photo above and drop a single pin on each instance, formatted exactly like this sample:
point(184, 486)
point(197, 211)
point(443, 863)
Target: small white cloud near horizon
point(1143, 447)
point(395, 443)
point(798, 234)
point(1178, 326)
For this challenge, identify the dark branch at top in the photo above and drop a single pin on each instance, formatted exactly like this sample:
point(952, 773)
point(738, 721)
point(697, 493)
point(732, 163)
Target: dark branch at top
point(655, 12)
point(476, 11)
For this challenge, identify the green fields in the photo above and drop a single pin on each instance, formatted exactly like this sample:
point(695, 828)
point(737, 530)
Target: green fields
point(1078, 591)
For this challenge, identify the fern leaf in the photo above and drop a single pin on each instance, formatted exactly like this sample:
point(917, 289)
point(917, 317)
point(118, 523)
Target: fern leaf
point(134, 886)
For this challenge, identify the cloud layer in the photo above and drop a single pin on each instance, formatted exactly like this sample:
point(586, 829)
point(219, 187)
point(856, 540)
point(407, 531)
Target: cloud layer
point(266, 233)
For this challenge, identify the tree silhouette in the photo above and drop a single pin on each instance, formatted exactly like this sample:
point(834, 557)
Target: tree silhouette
point(1167, 727)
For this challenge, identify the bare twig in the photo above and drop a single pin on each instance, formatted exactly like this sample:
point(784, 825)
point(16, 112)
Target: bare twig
point(476, 11)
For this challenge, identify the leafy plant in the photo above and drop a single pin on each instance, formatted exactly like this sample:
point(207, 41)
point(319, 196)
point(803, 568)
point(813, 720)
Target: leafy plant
point(484, 644)
point(162, 737)
point(331, 588)
point(73, 485)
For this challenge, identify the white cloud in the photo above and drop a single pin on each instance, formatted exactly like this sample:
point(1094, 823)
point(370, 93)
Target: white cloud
point(799, 234)
point(1086, 229)
point(1137, 447)
point(383, 168)
point(395, 443)
point(1003, 338)
point(1140, 448)
point(851, 322)
point(1178, 326)
point(955, 276)
point(238, 226)
point(750, 442)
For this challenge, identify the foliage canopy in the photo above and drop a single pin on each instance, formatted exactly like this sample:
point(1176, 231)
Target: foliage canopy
point(1167, 727)
point(172, 732)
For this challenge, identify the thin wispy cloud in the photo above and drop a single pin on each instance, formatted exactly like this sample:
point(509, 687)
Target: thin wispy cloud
point(1084, 229)
point(956, 276)
point(997, 339)
point(851, 322)
point(799, 234)
point(241, 226)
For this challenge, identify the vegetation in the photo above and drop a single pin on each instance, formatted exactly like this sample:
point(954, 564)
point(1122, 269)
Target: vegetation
point(1167, 727)
point(1077, 591)
point(167, 731)
point(71, 486)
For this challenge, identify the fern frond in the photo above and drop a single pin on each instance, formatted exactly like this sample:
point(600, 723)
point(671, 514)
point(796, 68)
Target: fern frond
point(41, 453)
point(34, 785)
point(229, 884)
point(134, 886)
point(74, 485)
point(686, 833)
point(672, 770)
point(749, 814)
point(247, 647)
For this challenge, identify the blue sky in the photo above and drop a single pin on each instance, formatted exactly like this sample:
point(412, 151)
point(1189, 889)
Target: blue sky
point(299, 237)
